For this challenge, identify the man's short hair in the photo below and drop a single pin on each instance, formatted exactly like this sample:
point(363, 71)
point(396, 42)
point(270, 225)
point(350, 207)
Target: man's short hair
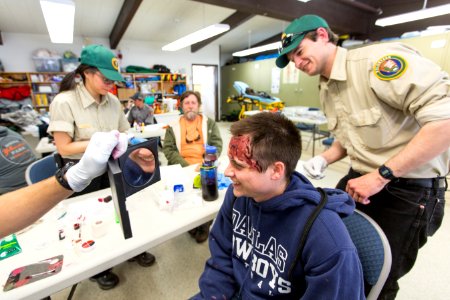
point(332, 37)
point(273, 137)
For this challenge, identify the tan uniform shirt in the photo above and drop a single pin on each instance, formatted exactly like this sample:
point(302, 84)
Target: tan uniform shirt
point(375, 107)
point(77, 113)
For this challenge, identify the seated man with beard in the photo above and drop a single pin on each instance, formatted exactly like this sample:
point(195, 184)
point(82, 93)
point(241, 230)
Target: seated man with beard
point(185, 141)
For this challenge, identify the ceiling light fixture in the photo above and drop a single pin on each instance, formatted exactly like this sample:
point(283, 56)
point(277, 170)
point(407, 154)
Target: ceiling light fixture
point(59, 17)
point(196, 37)
point(304, 1)
point(254, 50)
point(424, 13)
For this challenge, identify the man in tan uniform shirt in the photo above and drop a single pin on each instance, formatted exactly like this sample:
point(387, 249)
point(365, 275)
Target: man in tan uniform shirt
point(389, 109)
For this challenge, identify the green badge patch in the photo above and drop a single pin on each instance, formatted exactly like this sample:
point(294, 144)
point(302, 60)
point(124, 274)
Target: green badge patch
point(390, 67)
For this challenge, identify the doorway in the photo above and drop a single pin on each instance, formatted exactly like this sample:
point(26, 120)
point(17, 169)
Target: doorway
point(205, 81)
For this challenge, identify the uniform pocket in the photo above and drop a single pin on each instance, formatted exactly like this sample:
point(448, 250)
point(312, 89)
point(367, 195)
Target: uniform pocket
point(370, 128)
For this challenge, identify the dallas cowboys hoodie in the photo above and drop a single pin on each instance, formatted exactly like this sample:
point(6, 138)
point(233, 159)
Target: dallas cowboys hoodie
point(254, 245)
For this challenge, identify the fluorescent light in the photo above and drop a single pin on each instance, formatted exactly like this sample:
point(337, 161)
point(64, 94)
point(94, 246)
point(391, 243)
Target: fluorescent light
point(304, 1)
point(196, 37)
point(59, 17)
point(254, 50)
point(441, 28)
point(415, 15)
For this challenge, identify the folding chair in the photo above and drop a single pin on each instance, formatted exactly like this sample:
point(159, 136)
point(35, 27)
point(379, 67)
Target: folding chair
point(40, 169)
point(327, 142)
point(373, 250)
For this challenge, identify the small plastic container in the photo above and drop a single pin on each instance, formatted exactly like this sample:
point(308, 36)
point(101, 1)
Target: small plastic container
point(47, 64)
point(70, 64)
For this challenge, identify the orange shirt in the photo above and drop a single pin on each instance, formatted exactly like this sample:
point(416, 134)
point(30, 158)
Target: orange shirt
point(192, 144)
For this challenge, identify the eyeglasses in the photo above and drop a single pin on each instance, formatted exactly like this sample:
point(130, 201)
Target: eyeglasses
point(287, 40)
point(105, 80)
point(194, 140)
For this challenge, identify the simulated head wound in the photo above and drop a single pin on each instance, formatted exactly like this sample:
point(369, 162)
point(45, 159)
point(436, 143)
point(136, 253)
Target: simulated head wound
point(240, 148)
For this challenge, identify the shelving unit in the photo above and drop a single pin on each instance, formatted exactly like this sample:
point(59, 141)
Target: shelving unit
point(44, 86)
point(15, 90)
point(159, 85)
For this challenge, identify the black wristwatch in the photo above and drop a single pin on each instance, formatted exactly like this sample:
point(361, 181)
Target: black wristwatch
point(386, 173)
point(60, 175)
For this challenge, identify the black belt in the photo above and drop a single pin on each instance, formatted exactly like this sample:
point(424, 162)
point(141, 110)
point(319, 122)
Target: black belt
point(438, 182)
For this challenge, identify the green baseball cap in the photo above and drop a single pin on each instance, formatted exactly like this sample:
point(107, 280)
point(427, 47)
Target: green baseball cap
point(103, 59)
point(295, 33)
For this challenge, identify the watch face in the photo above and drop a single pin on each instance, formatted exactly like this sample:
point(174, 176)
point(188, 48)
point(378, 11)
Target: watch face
point(385, 172)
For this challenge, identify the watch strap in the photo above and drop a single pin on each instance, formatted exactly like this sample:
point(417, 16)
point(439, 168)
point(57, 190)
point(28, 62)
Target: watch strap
point(60, 175)
point(386, 172)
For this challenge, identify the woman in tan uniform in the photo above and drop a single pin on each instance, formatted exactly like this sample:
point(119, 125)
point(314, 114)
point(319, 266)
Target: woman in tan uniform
point(85, 106)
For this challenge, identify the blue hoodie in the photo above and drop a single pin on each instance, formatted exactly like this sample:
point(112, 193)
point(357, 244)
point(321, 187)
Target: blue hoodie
point(253, 246)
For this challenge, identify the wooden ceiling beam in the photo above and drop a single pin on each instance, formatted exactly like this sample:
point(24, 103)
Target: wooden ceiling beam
point(332, 11)
point(354, 17)
point(233, 20)
point(124, 18)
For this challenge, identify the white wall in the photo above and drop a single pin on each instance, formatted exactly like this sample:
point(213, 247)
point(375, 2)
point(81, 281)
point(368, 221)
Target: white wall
point(17, 51)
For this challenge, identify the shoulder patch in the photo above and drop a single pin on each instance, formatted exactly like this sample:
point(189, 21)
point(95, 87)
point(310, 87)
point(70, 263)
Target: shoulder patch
point(390, 67)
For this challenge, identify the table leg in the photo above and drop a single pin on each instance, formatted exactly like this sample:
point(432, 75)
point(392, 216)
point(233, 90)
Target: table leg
point(314, 140)
point(72, 291)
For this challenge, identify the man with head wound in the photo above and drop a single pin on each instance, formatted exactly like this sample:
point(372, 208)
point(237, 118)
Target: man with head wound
point(255, 239)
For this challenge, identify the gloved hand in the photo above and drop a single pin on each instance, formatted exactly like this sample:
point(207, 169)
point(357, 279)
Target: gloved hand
point(93, 163)
point(315, 167)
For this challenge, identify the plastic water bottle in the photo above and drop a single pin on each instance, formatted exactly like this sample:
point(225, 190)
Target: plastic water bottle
point(208, 174)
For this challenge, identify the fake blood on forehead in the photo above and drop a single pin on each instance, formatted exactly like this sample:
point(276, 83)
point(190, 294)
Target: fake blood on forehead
point(240, 148)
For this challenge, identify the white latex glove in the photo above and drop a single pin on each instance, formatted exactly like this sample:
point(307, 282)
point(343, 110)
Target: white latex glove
point(93, 163)
point(315, 167)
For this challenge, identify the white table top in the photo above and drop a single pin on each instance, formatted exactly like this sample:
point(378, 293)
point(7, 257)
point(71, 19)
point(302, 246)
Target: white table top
point(302, 114)
point(45, 146)
point(167, 117)
point(153, 130)
point(254, 112)
point(151, 226)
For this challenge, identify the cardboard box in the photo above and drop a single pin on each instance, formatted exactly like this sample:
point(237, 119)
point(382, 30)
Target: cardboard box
point(124, 94)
